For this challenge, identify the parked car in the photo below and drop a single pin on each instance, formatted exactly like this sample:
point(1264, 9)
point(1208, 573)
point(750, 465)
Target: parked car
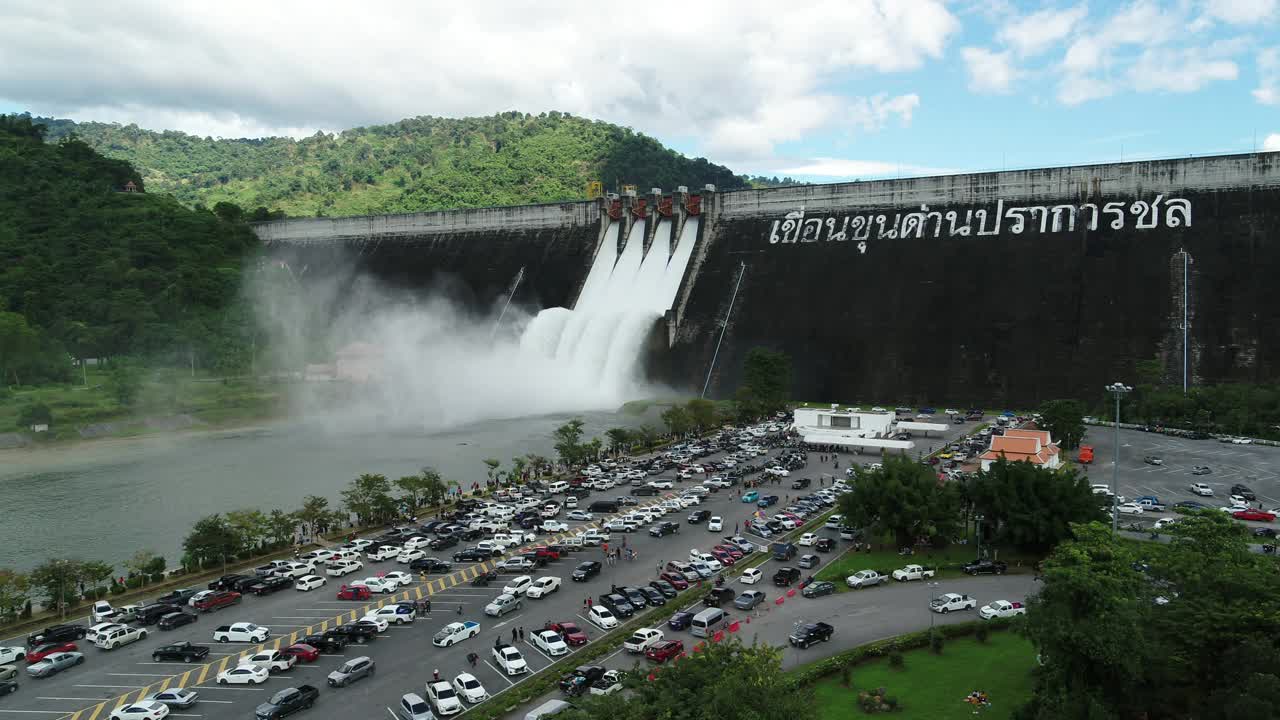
point(1001, 608)
point(172, 621)
point(356, 668)
point(182, 651)
point(947, 602)
point(986, 566)
point(912, 572)
point(54, 663)
point(287, 702)
point(749, 599)
point(664, 650)
point(808, 634)
point(818, 589)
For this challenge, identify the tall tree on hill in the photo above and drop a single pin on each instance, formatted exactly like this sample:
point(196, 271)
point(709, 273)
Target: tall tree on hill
point(568, 442)
point(766, 374)
point(1064, 419)
point(677, 420)
point(618, 438)
point(1030, 507)
point(369, 497)
point(905, 499)
point(702, 413)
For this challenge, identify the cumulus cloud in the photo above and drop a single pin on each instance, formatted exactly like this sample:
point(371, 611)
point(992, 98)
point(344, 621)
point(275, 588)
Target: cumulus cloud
point(1241, 12)
point(848, 168)
point(738, 76)
point(1268, 90)
point(1038, 32)
point(1185, 70)
point(989, 71)
point(1272, 143)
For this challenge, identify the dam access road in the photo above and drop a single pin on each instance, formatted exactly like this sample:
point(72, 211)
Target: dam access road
point(404, 654)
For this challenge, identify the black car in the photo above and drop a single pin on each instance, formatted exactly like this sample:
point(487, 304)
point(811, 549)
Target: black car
point(652, 596)
point(151, 614)
point(357, 632)
point(644, 490)
point(664, 588)
point(432, 525)
point(680, 620)
point(589, 674)
point(618, 605)
point(57, 634)
point(986, 567)
point(175, 620)
point(430, 565)
point(718, 596)
point(664, 528)
point(634, 596)
point(698, 516)
point(785, 576)
point(1264, 532)
point(587, 570)
point(8, 687)
point(266, 586)
point(825, 545)
point(1243, 492)
point(180, 652)
point(560, 549)
point(178, 597)
point(806, 635)
point(329, 642)
point(472, 554)
point(442, 542)
point(229, 582)
point(818, 589)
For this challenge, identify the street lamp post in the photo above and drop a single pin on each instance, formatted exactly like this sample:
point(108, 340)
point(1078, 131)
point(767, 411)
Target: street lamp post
point(978, 532)
point(1119, 390)
point(933, 586)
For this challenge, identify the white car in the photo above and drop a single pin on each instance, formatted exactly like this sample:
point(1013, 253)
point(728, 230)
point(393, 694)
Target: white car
point(1002, 608)
point(554, 526)
point(399, 577)
point(1201, 489)
point(1242, 441)
point(407, 556)
point(417, 542)
point(295, 569)
point(912, 572)
point(807, 539)
point(390, 614)
point(697, 556)
point(338, 568)
point(379, 585)
point(243, 675)
point(550, 642)
point(947, 602)
point(581, 516)
point(469, 688)
point(1163, 523)
point(443, 698)
point(751, 576)
point(309, 582)
point(642, 639)
point(601, 617)
point(11, 654)
point(510, 660)
point(502, 605)
point(97, 630)
point(1129, 508)
point(518, 585)
point(358, 544)
point(243, 632)
point(379, 621)
point(455, 633)
point(661, 484)
point(142, 710)
point(272, 660)
point(112, 638)
point(543, 586)
point(715, 524)
point(191, 602)
point(383, 552)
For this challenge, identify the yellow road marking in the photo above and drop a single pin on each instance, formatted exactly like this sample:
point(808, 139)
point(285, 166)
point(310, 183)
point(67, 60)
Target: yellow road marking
point(182, 682)
point(120, 701)
point(164, 684)
point(143, 693)
point(76, 715)
point(453, 581)
point(96, 711)
point(418, 593)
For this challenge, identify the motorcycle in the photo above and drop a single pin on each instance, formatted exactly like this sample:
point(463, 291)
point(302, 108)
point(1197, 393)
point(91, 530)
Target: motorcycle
point(1269, 549)
point(483, 580)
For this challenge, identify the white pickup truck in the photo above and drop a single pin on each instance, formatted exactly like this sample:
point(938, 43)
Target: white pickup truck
point(947, 602)
point(1002, 609)
point(272, 660)
point(865, 579)
point(455, 633)
point(509, 659)
point(383, 552)
point(911, 572)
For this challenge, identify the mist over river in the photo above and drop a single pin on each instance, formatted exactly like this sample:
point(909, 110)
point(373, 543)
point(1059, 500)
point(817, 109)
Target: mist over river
point(105, 500)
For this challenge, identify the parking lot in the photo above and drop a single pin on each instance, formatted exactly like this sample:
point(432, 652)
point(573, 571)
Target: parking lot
point(1256, 466)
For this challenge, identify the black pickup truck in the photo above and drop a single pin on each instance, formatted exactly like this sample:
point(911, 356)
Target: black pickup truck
point(269, 585)
point(577, 682)
point(811, 633)
point(231, 582)
point(179, 651)
point(357, 632)
point(287, 702)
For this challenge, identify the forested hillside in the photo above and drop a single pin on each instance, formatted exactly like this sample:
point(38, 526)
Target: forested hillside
point(87, 270)
point(423, 163)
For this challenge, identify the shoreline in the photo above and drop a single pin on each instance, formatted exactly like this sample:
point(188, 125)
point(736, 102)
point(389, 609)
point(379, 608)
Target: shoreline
point(65, 446)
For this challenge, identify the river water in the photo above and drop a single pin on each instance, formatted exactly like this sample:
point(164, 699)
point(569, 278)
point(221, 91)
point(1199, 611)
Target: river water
point(105, 500)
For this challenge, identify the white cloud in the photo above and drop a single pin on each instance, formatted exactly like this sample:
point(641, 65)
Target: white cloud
point(846, 168)
point(1038, 32)
point(1182, 71)
point(1272, 143)
point(1268, 90)
point(740, 76)
point(989, 71)
point(1241, 12)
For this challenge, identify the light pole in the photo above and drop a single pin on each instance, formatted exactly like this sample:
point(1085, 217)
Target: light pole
point(933, 586)
point(978, 531)
point(1119, 390)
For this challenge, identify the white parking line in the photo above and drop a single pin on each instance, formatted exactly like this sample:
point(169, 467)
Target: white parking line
point(133, 687)
point(501, 673)
point(42, 712)
point(299, 617)
point(139, 674)
point(228, 687)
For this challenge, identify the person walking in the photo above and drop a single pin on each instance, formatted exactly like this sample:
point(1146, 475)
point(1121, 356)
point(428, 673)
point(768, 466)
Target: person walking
point(435, 675)
point(513, 634)
point(588, 602)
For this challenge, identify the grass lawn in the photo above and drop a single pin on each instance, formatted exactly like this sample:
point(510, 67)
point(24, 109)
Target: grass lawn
point(947, 561)
point(933, 687)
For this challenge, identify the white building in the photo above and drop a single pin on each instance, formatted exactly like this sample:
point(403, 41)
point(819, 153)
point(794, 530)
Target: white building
point(848, 428)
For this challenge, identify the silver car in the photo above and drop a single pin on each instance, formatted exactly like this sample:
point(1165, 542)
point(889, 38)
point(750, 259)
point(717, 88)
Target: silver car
point(8, 672)
point(179, 698)
point(54, 664)
point(351, 671)
point(413, 707)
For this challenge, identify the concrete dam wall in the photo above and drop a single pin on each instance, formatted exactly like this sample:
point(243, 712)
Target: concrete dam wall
point(1007, 288)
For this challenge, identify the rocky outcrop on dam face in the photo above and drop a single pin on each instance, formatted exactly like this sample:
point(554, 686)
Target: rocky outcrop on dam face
point(1011, 287)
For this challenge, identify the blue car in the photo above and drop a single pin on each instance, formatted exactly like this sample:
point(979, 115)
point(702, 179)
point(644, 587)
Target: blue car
point(750, 496)
point(680, 621)
point(767, 500)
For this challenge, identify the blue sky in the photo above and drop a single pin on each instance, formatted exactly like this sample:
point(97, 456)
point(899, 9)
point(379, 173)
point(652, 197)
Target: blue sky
point(823, 90)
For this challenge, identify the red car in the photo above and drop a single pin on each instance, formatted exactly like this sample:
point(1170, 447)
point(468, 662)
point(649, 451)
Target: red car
point(546, 552)
point(1252, 514)
point(218, 600)
point(664, 651)
point(40, 652)
point(734, 552)
point(724, 557)
point(302, 651)
point(571, 633)
point(354, 592)
point(676, 579)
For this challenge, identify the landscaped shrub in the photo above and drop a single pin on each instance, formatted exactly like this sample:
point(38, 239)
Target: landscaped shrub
point(981, 634)
point(117, 589)
point(876, 701)
point(936, 643)
point(133, 583)
point(896, 660)
point(846, 677)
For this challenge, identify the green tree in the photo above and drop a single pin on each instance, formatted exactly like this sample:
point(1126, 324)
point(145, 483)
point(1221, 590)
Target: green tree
point(702, 413)
point(140, 563)
point(56, 582)
point(767, 374)
point(414, 488)
point(677, 420)
point(250, 528)
point(369, 497)
point(211, 538)
point(95, 573)
point(747, 405)
point(647, 436)
point(1064, 419)
point(314, 511)
point(568, 442)
point(15, 590)
point(126, 381)
point(35, 414)
point(619, 438)
point(493, 469)
point(1031, 507)
point(18, 343)
point(903, 498)
point(435, 488)
point(281, 527)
